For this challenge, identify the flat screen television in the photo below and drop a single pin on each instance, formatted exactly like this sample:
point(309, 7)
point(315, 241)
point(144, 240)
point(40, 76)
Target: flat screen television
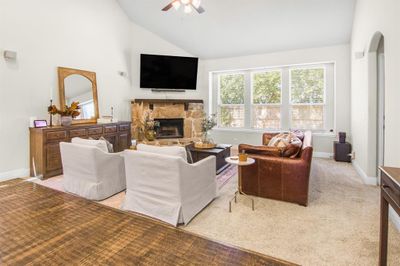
point(168, 72)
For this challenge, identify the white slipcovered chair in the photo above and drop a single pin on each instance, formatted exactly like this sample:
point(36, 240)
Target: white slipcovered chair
point(166, 187)
point(90, 172)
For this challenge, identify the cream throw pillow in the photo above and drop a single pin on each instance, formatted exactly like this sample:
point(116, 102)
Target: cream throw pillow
point(168, 150)
point(289, 143)
point(101, 144)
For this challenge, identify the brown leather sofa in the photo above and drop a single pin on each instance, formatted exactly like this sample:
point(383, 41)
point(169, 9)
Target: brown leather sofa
point(276, 177)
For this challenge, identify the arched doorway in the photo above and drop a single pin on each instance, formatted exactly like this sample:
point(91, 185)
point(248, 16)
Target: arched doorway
point(376, 59)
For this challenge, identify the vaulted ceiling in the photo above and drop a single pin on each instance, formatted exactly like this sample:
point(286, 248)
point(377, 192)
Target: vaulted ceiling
point(243, 27)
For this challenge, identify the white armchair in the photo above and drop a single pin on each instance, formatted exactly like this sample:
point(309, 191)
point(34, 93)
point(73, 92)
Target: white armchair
point(166, 187)
point(92, 173)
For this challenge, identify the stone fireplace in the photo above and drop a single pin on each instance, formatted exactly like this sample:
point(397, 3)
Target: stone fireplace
point(178, 118)
point(170, 128)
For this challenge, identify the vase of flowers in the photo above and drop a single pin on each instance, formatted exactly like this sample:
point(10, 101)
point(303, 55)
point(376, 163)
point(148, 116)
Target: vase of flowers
point(66, 121)
point(150, 126)
point(67, 114)
point(208, 123)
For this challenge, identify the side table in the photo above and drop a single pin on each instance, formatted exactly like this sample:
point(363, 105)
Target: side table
point(235, 160)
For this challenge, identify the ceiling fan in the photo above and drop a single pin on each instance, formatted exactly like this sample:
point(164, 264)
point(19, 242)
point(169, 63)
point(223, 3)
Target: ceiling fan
point(188, 5)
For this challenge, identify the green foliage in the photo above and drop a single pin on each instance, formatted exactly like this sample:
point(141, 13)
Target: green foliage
point(267, 87)
point(307, 85)
point(231, 116)
point(208, 123)
point(232, 89)
point(226, 117)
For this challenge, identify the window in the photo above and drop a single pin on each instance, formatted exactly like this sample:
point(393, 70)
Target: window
point(307, 98)
point(87, 110)
point(281, 98)
point(266, 99)
point(231, 100)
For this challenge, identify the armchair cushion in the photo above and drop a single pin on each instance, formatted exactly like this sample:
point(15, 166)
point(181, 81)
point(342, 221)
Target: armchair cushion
point(101, 144)
point(169, 150)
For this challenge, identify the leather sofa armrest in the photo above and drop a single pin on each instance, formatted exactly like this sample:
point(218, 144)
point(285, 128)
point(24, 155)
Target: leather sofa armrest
point(260, 150)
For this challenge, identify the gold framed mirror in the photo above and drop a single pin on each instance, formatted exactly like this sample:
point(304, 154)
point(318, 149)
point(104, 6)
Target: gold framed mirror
point(77, 85)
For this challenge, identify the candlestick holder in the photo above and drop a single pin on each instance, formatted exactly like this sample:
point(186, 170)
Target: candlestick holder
point(51, 116)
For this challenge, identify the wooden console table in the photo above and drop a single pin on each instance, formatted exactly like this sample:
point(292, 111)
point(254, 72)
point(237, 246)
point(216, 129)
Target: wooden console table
point(45, 143)
point(390, 195)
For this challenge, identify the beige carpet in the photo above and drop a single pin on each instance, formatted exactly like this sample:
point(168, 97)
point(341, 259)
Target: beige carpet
point(339, 227)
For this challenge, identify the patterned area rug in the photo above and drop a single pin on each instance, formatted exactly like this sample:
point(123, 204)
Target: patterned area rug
point(226, 175)
point(222, 179)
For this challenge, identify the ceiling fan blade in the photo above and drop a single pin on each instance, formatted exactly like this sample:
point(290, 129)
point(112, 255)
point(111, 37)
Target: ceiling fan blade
point(199, 9)
point(168, 7)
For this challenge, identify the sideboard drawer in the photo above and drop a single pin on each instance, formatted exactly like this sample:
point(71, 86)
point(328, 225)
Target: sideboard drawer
point(77, 133)
point(389, 187)
point(56, 135)
point(95, 130)
point(124, 127)
point(110, 129)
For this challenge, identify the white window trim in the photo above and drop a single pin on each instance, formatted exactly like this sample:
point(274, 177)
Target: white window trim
point(329, 96)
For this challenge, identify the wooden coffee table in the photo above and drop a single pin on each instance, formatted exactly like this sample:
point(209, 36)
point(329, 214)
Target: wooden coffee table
point(221, 152)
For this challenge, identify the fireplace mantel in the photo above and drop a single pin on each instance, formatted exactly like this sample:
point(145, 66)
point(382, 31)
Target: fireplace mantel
point(151, 102)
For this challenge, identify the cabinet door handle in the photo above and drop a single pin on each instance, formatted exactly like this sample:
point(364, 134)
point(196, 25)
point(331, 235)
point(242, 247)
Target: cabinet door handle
point(386, 187)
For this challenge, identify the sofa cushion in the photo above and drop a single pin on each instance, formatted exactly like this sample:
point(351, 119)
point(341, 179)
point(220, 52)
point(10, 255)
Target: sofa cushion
point(167, 150)
point(101, 144)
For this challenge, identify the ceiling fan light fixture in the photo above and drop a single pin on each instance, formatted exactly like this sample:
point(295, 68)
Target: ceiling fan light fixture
point(196, 3)
point(188, 9)
point(188, 6)
point(176, 4)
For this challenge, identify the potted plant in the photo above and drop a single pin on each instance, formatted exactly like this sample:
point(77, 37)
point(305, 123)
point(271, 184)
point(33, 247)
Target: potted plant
point(67, 114)
point(208, 123)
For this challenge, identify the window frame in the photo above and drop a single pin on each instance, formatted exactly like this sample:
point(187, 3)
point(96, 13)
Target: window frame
point(252, 104)
point(286, 101)
point(323, 104)
point(220, 104)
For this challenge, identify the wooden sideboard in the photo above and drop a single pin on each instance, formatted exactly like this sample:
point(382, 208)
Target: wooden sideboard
point(45, 148)
point(390, 195)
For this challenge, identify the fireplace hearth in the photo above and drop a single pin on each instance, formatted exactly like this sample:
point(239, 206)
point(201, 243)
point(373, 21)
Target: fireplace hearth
point(170, 128)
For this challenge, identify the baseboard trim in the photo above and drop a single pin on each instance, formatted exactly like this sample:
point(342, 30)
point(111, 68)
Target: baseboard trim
point(326, 155)
point(14, 174)
point(369, 180)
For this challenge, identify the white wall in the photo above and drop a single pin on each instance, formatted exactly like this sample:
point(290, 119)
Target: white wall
point(149, 43)
point(93, 35)
point(339, 54)
point(372, 16)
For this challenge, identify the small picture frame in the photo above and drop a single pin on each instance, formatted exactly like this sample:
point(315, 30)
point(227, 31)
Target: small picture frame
point(39, 123)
